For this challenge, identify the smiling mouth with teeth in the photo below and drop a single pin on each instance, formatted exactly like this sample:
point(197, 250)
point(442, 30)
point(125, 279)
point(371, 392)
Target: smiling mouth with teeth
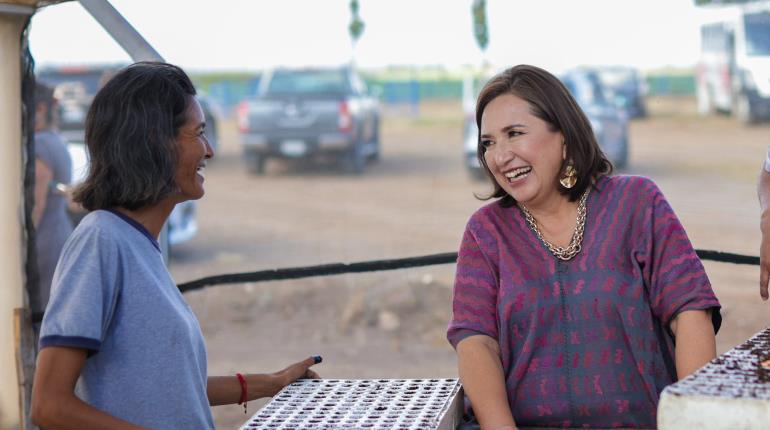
point(201, 171)
point(518, 173)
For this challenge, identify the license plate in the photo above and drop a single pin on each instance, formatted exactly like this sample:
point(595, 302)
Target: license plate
point(293, 148)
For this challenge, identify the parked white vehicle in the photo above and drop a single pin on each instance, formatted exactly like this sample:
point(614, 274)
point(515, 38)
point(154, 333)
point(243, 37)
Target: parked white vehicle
point(733, 74)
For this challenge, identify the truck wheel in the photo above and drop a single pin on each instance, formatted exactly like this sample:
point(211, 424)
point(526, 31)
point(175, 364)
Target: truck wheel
point(355, 159)
point(375, 155)
point(476, 173)
point(743, 110)
point(622, 161)
point(705, 104)
point(257, 164)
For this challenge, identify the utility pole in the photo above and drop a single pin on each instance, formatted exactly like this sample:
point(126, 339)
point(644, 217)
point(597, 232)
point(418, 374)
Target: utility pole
point(355, 28)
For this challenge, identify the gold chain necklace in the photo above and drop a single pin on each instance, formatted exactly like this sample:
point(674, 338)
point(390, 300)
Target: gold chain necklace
point(575, 244)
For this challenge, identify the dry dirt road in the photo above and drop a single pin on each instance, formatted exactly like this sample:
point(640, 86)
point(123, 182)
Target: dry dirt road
point(416, 201)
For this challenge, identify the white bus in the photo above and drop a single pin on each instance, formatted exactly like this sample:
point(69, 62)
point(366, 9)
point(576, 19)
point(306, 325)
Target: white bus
point(733, 74)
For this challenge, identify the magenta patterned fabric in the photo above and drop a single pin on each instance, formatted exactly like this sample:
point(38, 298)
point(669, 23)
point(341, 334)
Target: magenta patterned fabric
point(583, 343)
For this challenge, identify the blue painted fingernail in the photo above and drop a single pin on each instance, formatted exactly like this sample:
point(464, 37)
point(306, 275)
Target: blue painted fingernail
point(317, 359)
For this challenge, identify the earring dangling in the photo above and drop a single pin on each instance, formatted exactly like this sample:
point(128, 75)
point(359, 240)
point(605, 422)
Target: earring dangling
point(569, 178)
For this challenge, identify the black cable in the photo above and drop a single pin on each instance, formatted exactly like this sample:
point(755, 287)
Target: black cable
point(727, 257)
point(395, 264)
point(382, 265)
point(322, 270)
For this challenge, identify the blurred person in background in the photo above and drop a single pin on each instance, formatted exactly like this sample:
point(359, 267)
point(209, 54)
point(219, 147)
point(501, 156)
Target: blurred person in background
point(763, 190)
point(572, 287)
point(120, 347)
point(53, 172)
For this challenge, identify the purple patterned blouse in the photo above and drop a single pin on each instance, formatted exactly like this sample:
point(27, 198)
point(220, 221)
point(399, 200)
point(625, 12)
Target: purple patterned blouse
point(583, 343)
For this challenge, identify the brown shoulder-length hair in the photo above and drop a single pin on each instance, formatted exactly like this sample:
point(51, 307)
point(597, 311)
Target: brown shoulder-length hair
point(552, 102)
point(131, 131)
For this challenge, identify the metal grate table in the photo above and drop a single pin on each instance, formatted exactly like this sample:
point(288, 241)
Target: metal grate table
point(424, 404)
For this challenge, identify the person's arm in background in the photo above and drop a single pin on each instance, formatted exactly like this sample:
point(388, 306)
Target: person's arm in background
point(43, 178)
point(763, 190)
point(481, 373)
point(695, 341)
point(54, 404)
point(226, 390)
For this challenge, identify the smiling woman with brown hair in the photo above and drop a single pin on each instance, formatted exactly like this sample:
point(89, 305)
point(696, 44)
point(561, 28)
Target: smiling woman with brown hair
point(120, 347)
point(572, 288)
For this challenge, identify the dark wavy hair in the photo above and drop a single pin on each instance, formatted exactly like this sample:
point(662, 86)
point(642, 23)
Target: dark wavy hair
point(130, 136)
point(552, 102)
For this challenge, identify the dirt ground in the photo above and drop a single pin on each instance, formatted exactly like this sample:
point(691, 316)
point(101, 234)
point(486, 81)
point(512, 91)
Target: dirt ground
point(416, 201)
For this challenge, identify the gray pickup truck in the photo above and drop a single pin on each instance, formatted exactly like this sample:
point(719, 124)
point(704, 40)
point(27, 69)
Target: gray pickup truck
point(318, 113)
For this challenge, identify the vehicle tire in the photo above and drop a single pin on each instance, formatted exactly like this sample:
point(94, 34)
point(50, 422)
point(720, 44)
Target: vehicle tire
point(257, 164)
point(622, 160)
point(355, 159)
point(641, 109)
point(375, 155)
point(742, 109)
point(477, 174)
point(705, 105)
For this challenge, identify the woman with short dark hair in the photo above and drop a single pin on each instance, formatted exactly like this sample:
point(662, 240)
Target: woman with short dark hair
point(120, 347)
point(572, 287)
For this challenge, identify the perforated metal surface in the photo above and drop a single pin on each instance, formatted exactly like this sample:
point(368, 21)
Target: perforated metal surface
point(731, 392)
point(424, 404)
point(739, 373)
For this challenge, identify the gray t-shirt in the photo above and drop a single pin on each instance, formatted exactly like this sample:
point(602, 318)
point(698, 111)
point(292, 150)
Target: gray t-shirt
point(55, 225)
point(113, 296)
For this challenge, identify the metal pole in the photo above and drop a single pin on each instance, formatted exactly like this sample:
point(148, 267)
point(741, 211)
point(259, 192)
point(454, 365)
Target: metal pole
point(11, 211)
point(135, 46)
point(121, 30)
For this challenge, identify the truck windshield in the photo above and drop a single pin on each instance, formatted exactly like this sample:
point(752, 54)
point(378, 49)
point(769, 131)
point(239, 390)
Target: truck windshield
point(307, 82)
point(757, 34)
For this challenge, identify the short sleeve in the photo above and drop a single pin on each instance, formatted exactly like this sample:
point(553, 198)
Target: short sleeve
point(673, 272)
point(43, 150)
point(84, 292)
point(474, 303)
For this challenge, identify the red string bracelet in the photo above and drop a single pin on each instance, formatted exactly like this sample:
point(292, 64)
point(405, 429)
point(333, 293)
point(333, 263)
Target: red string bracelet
point(244, 391)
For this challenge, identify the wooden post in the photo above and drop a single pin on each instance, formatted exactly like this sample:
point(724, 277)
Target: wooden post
point(25, 362)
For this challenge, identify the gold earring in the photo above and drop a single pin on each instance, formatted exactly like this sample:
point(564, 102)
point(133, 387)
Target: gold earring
point(569, 178)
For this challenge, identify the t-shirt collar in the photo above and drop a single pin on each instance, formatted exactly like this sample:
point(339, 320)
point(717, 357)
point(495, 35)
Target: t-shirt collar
point(135, 224)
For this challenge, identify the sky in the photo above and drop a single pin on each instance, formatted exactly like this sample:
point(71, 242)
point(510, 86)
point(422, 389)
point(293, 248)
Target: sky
point(244, 35)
